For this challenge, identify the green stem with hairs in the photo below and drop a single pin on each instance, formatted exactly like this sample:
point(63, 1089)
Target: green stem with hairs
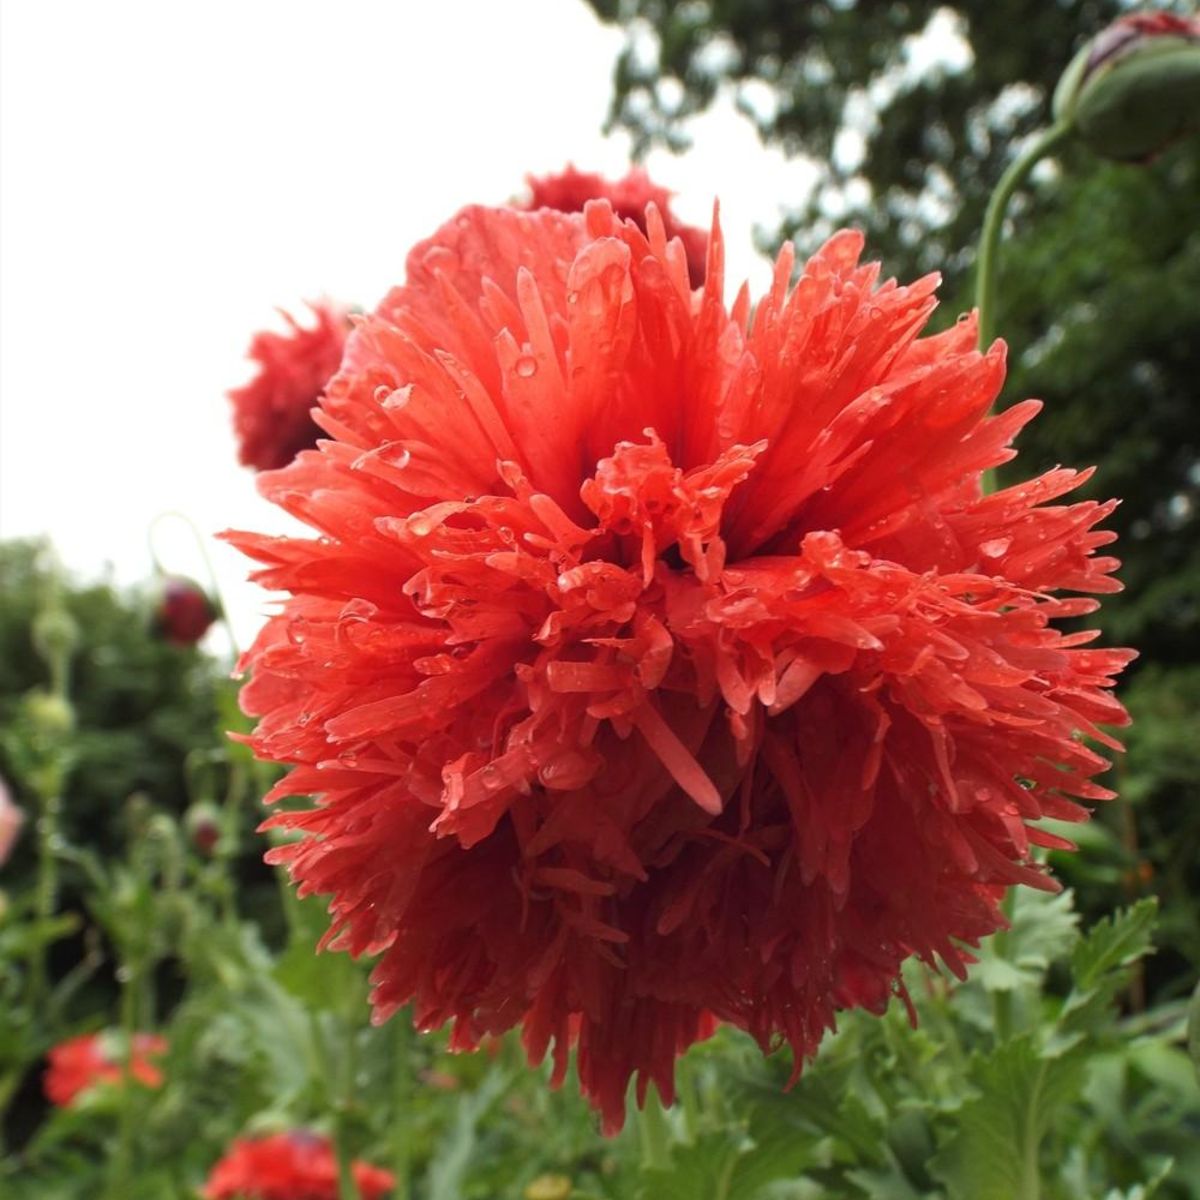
point(993, 224)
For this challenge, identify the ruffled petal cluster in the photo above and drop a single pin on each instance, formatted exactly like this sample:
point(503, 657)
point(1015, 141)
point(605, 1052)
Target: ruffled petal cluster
point(82, 1062)
point(288, 1166)
point(658, 663)
point(272, 414)
point(630, 196)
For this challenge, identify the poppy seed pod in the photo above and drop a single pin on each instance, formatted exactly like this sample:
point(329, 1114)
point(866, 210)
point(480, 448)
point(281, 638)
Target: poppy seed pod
point(1135, 87)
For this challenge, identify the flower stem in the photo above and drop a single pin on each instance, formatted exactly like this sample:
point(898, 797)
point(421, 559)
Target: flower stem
point(45, 897)
point(122, 1175)
point(347, 1187)
point(654, 1132)
point(401, 1102)
point(993, 224)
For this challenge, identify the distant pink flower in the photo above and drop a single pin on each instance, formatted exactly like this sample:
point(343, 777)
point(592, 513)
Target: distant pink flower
point(12, 818)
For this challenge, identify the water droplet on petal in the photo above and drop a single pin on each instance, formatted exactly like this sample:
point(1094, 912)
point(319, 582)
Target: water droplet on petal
point(526, 366)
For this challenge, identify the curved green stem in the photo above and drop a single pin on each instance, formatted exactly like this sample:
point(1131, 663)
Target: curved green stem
point(993, 224)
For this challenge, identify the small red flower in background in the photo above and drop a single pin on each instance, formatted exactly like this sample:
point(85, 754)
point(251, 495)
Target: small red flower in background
point(571, 190)
point(82, 1062)
point(184, 612)
point(658, 664)
point(272, 414)
point(288, 1166)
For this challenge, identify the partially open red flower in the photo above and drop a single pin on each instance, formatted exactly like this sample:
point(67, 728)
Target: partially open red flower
point(272, 414)
point(571, 190)
point(288, 1166)
point(657, 664)
point(82, 1062)
point(184, 612)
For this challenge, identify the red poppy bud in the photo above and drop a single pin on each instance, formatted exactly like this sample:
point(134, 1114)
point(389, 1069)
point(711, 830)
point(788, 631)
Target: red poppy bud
point(203, 825)
point(184, 612)
point(1135, 87)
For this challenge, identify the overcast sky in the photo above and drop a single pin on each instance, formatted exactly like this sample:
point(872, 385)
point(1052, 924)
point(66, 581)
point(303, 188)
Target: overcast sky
point(171, 173)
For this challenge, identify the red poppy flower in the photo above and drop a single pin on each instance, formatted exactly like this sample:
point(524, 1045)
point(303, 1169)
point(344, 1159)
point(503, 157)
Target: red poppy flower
point(184, 613)
point(660, 664)
point(629, 196)
point(288, 1166)
point(272, 414)
point(82, 1062)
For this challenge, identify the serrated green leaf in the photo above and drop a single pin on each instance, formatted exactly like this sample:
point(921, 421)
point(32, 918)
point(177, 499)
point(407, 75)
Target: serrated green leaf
point(1113, 942)
point(995, 1151)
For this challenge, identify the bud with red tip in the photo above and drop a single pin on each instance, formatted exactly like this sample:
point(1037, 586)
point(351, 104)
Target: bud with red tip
point(1135, 87)
point(184, 611)
point(202, 822)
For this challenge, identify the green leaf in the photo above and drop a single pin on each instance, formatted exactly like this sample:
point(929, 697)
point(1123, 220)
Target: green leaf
point(1113, 942)
point(453, 1158)
point(1193, 1037)
point(994, 1154)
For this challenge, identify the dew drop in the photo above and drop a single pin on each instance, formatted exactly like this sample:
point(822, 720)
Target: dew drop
point(420, 525)
point(526, 366)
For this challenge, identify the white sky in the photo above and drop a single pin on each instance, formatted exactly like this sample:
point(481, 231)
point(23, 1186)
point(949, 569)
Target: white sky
point(172, 172)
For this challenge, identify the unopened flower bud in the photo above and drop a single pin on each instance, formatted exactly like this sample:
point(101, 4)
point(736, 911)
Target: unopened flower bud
point(184, 611)
point(55, 633)
point(50, 714)
point(203, 825)
point(1135, 87)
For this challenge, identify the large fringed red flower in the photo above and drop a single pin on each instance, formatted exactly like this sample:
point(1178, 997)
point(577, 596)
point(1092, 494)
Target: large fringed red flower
point(81, 1062)
point(657, 664)
point(272, 414)
point(630, 197)
point(288, 1166)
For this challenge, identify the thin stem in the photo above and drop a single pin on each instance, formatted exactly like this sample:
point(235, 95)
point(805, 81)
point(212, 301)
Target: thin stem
point(122, 1176)
point(993, 224)
point(1002, 1006)
point(347, 1187)
point(401, 1102)
point(654, 1132)
point(46, 897)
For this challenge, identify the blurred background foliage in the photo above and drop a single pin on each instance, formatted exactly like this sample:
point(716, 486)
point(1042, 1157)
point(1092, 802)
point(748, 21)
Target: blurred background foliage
point(910, 112)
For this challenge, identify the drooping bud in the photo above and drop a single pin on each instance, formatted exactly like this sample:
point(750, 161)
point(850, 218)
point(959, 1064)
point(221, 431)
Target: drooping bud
point(202, 821)
point(184, 611)
point(1135, 87)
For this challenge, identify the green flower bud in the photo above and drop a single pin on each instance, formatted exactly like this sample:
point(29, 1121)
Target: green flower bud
point(55, 633)
point(1135, 87)
point(50, 715)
